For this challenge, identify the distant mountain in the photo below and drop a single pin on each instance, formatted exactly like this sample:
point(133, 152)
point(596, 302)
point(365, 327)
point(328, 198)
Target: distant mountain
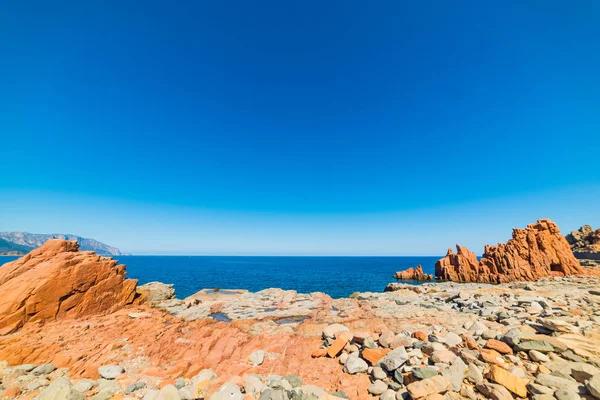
point(19, 243)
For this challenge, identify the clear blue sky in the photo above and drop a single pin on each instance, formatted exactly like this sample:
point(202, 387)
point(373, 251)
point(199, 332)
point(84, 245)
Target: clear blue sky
point(308, 127)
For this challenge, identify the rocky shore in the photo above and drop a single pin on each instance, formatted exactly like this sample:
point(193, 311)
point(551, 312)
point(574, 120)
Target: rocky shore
point(73, 327)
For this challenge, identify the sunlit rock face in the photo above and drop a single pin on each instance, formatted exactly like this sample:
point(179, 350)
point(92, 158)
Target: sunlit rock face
point(534, 252)
point(58, 281)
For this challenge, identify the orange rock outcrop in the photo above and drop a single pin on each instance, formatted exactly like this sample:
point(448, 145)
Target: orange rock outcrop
point(58, 281)
point(413, 274)
point(534, 252)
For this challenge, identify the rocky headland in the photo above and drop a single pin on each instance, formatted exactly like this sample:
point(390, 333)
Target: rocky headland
point(74, 327)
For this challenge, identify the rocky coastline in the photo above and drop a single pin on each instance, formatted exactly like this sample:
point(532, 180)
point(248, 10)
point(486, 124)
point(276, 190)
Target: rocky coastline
point(72, 326)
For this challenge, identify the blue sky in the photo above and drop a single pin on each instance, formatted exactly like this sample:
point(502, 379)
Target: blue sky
point(298, 127)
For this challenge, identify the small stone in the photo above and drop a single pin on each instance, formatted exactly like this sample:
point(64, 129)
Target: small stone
point(257, 357)
point(332, 330)
point(294, 380)
point(539, 345)
point(339, 343)
point(566, 394)
point(583, 371)
point(378, 373)
point(494, 392)
point(556, 382)
point(455, 373)
point(319, 353)
point(374, 355)
point(443, 356)
point(426, 387)
point(43, 369)
point(499, 346)
point(355, 364)
point(593, 385)
point(538, 357)
point(228, 391)
point(36, 384)
point(535, 388)
point(170, 392)
point(424, 373)
point(377, 388)
point(110, 371)
point(388, 395)
point(515, 384)
point(394, 359)
point(83, 385)
point(60, 389)
point(452, 339)
point(474, 374)
point(132, 387)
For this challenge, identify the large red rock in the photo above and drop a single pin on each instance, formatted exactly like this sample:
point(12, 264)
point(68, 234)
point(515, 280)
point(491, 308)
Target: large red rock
point(59, 281)
point(534, 252)
point(413, 274)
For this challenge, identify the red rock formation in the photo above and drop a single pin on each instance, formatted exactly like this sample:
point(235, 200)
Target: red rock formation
point(534, 252)
point(58, 281)
point(413, 274)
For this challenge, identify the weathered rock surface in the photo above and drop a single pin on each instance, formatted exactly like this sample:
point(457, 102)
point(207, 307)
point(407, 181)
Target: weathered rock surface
point(534, 252)
point(58, 281)
point(413, 274)
point(585, 239)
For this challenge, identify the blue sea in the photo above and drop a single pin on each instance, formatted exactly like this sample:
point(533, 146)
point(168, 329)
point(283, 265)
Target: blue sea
point(336, 276)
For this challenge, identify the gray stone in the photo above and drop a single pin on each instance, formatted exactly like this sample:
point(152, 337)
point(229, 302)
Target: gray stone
point(179, 383)
point(254, 385)
point(272, 394)
point(455, 373)
point(538, 357)
point(378, 373)
point(257, 357)
point(398, 377)
point(583, 371)
point(186, 393)
point(228, 391)
point(539, 345)
point(43, 369)
point(294, 380)
point(474, 374)
point(512, 337)
point(377, 388)
point(535, 388)
point(60, 389)
point(151, 394)
point(103, 395)
point(355, 364)
point(394, 359)
point(110, 371)
point(556, 382)
point(132, 387)
point(593, 385)
point(36, 384)
point(83, 385)
point(424, 373)
point(452, 339)
point(24, 367)
point(566, 394)
point(388, 395)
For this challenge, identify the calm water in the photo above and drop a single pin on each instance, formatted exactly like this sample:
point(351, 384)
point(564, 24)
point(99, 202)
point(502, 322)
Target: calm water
point(336, 276)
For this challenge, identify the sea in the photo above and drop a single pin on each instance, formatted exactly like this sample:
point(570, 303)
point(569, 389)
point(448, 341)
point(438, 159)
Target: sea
point(336, 276)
